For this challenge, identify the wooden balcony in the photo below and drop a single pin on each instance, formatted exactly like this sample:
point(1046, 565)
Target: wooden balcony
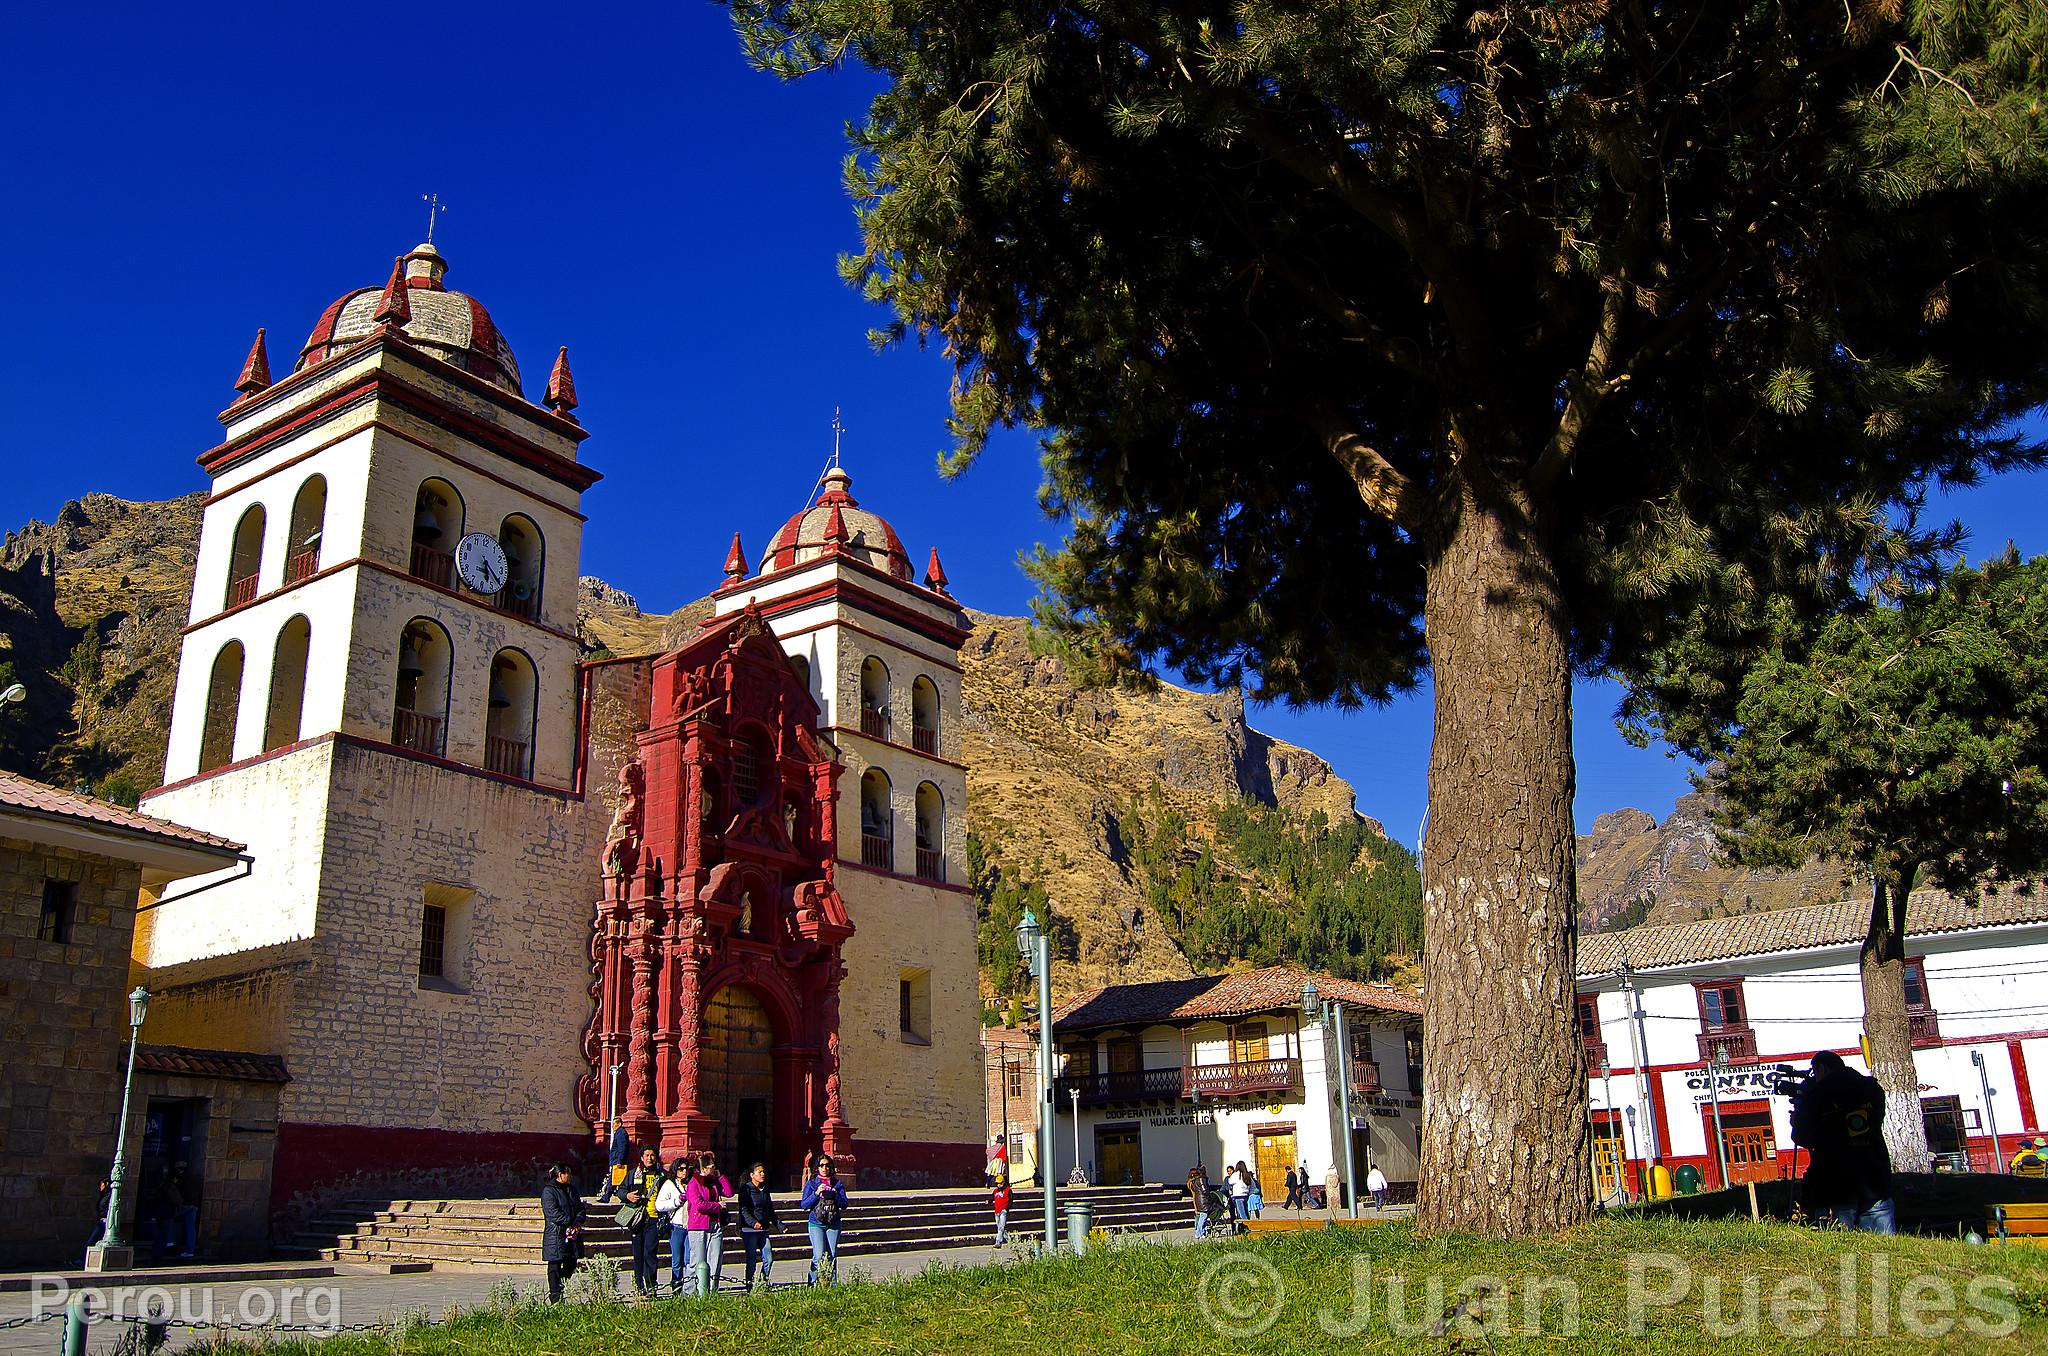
point(506, 757)
point(878, 851)
point(435, 567)
point(874, 723)
point(924, 739)
point(242, 590)
point(1734, 1042)
point(1135, 1085)
point(507, 599)
point(1239, 1080)
point(1924, 1026)
point(1365, 1076)
point(931, 864)
point(417, 731)
point(301, 565)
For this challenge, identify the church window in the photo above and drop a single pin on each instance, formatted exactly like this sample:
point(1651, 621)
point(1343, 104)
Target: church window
point(419, 718)
point(60, 905)
point(433, 941)
point(931, 832)
point(436, 527)
point(508, 729)
point(877, 837)
point(245, 558)
point(287, 684)
point(924, 715)
point(309, 525)
point(746, 770)
point(444, 936)
point(223, 707)
point(524, 553)
point(874, 698)
point(914, 1005)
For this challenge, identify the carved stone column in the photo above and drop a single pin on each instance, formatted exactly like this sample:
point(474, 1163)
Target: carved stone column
point(837, 1135)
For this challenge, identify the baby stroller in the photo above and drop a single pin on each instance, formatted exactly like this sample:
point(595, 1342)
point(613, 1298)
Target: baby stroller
point(1217, 1208)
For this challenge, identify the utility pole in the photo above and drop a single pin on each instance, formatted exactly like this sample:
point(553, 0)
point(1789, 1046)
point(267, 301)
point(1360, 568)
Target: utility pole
point(1639, 1043)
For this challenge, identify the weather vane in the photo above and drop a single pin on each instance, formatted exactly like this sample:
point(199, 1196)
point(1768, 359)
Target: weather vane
point(434, 207)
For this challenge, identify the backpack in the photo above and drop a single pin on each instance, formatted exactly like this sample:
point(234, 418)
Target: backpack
point(826, 1209)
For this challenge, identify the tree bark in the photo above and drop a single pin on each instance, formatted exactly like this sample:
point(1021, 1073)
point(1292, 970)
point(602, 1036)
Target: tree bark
point(1504, 1145)
point(1882, 966)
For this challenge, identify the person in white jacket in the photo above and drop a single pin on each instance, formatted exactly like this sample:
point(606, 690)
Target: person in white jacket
point(1376, 1183)
point(668, 1206)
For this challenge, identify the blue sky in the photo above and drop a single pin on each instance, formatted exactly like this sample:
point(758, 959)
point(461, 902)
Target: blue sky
point(618, 181)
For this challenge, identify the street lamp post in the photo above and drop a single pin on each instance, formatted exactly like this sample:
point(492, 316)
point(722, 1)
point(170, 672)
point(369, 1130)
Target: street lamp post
point(1990, 1113)
point(1035, 946)
point(1330, 1014)
point(113, 1254)
point(1716, 1064)
point(1077, 1177)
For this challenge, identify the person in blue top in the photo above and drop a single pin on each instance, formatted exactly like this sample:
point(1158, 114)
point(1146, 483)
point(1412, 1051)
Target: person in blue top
point(824, 1205)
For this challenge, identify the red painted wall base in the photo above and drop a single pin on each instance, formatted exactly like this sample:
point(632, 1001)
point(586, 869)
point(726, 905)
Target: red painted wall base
point(887, 1163)
point(318, 1166)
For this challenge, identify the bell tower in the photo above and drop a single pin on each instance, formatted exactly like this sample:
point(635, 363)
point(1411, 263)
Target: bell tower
point(379, 692)
point(879, 652)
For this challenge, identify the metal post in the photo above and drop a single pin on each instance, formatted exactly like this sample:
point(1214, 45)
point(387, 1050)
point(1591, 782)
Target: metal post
point(1714, 1067)
point(1607, 1095)
point(1343, 1066)
point(1042, 963)
point(117, 1180)
point(1076, 1177)
point(74, 1327)
point(1990, 1115)
point(1639, 1041)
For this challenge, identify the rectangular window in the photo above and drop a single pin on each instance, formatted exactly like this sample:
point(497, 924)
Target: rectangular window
point(1080, 1059)
point(1013, 1078)
point(433, 941)
point(914, 1006)
point(1916, 986)
point(60, 903)
point(1248, 1043)
point(1721, 1005)
point(1414, 1041)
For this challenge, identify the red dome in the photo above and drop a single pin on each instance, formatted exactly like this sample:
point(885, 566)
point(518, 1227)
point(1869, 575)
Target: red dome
point(453, 327)
point(868, 535)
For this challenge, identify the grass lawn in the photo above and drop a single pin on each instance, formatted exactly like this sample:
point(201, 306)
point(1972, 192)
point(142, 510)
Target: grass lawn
point(1908, 1294)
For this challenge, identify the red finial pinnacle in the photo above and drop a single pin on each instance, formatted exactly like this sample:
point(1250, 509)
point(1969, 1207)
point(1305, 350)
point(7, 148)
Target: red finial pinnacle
point(255, 371)
point(835, 531)
point(935, 573)
point(562, 389)
point(735, 563)
point(393, 308)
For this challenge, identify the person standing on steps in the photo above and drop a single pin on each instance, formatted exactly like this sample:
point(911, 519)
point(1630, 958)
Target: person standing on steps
point(757, 1224)
point(561, 1230)
point(639, 1189)
point(1198, 1188)
point(824, 1205)
point(704, 1204)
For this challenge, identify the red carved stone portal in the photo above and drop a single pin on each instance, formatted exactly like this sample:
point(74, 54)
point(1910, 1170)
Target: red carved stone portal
point(718, 897)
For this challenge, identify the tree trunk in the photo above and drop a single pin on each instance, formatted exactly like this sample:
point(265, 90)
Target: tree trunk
point(1504, 1144)
point(1883, 969)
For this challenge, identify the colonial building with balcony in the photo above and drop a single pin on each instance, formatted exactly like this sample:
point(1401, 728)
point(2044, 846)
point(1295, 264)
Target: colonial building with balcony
point(1724, 1001)
point(1224, 1068)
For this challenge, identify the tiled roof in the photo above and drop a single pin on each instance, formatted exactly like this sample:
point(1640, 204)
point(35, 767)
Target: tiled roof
point(1272, 989)
point(38, 798)
point(1837, 923)
point(184, 1061)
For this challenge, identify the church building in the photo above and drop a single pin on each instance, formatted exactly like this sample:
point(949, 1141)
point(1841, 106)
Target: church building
point(496, 896)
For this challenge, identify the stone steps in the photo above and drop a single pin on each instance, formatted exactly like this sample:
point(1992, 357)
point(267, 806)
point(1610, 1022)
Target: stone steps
point(502, 1233)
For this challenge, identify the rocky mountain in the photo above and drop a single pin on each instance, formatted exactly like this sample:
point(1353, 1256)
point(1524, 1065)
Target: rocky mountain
point(1633, 869)
point(1062, 780)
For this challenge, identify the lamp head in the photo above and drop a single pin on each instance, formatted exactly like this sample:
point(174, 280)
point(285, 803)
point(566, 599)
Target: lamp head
point(1311, 1000)
point(138, 1007)
point(14, 692)
point(1028, 933)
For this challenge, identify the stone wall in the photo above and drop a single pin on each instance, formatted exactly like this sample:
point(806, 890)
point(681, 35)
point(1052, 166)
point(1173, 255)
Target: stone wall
point(232, 1176)
point(63, 1021)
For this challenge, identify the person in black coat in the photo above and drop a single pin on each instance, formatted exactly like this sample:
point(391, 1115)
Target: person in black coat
point(757, 1223)
point(561, 1235)
point(1839, 1117)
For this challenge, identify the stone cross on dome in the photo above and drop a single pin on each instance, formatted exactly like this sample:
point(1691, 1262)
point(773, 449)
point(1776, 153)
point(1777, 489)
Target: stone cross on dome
point(434, 208)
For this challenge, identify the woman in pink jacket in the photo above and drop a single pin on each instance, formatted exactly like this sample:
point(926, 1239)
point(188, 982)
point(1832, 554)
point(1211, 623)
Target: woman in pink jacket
point(704, 1218)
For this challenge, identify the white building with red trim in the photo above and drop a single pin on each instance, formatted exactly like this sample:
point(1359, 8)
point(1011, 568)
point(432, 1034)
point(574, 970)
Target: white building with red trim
point(1773, 988)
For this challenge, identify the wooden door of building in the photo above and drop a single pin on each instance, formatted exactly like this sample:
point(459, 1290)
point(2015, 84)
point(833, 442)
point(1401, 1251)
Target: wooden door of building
point(1608, 1156)
point(1748, 1141)
point(1272, 1155)
point(1118, 1160)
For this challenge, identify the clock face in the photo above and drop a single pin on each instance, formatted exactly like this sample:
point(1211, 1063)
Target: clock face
point(480, 560)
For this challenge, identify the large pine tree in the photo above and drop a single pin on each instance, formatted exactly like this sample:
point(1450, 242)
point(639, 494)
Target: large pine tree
point(1500, 341)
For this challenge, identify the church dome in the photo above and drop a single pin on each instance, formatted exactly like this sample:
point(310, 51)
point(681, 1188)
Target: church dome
point(452, 327)
point(865, 534)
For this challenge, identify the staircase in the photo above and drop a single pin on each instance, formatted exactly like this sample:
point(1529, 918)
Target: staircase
point(499, 1233)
